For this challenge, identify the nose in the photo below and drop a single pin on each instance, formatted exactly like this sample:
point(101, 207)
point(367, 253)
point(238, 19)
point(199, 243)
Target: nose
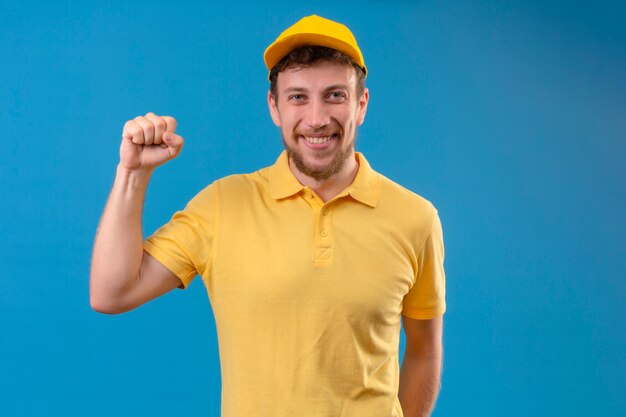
point(317, 114)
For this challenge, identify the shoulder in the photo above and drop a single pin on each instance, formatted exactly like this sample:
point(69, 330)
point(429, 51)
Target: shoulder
point(242, 182)
point(394, 196)
point(408, 214)
point(238, 187)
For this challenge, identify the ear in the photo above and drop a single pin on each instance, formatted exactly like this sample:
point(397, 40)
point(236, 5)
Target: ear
point(362, 106)
point(273, 106)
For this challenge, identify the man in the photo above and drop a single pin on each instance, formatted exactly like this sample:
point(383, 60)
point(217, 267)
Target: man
point(309, 264)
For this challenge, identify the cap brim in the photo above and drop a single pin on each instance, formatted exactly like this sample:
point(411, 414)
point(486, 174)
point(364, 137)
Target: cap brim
point(281, 48)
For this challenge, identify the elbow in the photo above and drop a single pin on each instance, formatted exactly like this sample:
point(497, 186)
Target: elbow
point(100, 306)
point(102, 297)
point(104, 304)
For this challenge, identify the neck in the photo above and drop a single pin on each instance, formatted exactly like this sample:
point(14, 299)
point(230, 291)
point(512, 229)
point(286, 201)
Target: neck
point(329, 188)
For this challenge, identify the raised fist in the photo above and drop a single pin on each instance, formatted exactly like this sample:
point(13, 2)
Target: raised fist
point(149, 141)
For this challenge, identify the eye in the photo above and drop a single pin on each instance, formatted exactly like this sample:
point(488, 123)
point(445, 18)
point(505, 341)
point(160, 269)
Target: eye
point(337, 96)
point(296, 97)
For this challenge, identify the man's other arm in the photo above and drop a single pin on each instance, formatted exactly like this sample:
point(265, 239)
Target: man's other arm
point(123, 276)
point(421, 367)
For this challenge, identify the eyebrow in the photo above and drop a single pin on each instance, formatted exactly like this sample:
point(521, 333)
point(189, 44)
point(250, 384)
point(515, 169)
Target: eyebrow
point(296, 90)
point(329, 88)
point(337, 87)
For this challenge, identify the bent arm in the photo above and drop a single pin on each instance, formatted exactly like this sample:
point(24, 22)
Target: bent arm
point(421, 367)
point(122, 275)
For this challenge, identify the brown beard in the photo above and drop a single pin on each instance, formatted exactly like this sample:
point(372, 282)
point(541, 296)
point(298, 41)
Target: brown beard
point(325, 172)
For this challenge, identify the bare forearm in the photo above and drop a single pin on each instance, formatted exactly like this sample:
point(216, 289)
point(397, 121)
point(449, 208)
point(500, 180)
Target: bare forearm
point(118, 247)
point(419, 384)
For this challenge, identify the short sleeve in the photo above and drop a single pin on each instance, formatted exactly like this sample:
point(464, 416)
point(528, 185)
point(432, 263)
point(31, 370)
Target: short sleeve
point(426, 298)
point(183, 245)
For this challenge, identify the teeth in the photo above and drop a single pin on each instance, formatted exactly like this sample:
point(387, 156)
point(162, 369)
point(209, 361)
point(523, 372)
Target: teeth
point(317, 141)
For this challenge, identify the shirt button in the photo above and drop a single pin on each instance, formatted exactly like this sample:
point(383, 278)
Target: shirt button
point(324, 212)
point(324, 233)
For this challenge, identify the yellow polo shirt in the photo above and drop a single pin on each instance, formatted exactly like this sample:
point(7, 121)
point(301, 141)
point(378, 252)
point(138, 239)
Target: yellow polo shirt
point(307, 296)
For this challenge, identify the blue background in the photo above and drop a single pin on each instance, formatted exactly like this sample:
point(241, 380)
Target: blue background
point(510, 118)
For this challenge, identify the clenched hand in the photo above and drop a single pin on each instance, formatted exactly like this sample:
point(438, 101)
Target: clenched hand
point(149, 141)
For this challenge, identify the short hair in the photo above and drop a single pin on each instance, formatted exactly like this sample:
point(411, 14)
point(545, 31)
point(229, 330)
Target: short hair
point(306, 56)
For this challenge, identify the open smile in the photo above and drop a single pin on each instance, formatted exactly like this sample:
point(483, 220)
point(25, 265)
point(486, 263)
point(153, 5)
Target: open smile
point(318, 141)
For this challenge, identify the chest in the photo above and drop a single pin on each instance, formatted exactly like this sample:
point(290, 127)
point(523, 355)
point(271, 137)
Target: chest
point(344, 260)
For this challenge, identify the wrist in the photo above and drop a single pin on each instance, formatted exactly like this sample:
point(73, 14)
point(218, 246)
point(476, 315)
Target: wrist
point(133, 177)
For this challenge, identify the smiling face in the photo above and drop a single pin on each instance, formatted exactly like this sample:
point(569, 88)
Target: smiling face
point(318, 113)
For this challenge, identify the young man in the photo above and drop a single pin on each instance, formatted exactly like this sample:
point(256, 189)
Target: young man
point(310, 264)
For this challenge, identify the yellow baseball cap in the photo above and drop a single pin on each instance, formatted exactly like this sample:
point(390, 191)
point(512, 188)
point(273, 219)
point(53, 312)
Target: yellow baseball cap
point(314, 30)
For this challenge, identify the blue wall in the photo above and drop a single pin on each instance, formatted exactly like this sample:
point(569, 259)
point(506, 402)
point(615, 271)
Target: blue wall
point(510, 118)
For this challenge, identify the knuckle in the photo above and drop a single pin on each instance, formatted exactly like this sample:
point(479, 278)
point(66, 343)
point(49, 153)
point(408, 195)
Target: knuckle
point(148, 126)
point(135, 130)
point(171, 122)
point(128, 127)
point(160, 123)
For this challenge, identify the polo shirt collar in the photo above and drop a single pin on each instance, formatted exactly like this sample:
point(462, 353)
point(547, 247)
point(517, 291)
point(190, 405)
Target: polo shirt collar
point(365, 188)
point(367, 183)
point(282, 182)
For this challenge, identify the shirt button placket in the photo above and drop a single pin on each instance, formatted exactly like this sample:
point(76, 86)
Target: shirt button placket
point(324, 246)
point(324, 224)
